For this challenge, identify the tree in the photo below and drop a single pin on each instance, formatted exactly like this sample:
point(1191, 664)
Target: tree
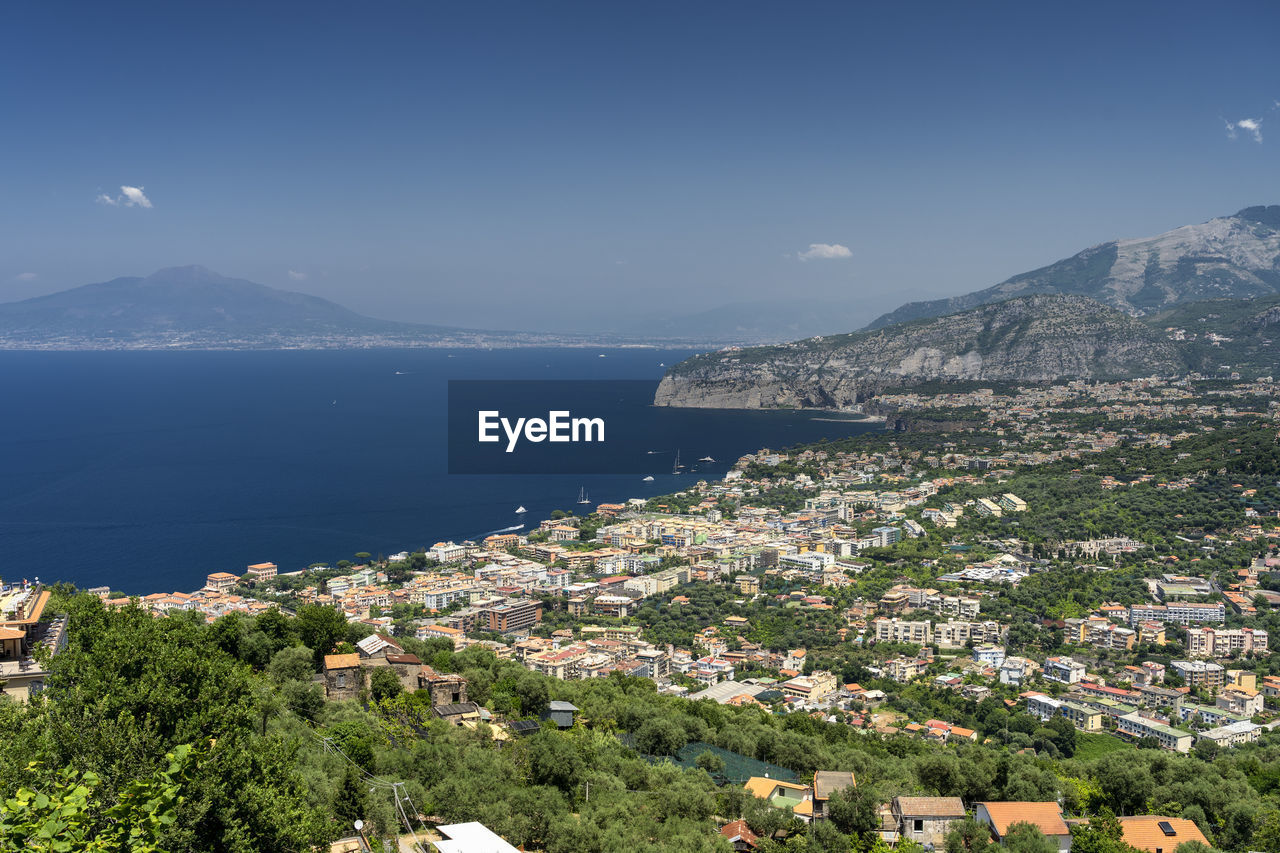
point(660, 736)
point(553, 761)
point(710, 762)
point(383, 683)
point(1024, 837)
point(351, 802)
point(854, 811)
point(291, 664)
point(968, 836)
point(320, 628)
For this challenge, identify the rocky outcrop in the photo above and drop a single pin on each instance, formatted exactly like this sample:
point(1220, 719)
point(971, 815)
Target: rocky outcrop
point(1032, 338)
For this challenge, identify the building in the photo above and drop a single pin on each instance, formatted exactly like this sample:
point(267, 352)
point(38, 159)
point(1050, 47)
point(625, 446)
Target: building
point(748, 584)
point(1156, 834)
point(902, 631)
point(262, 571)
point(471, 837)
point(740, 835)
point(826, 783)
point(560, 713)
point(926, 820)
point(518, 615)
point(1137, 726)
point(987, 507)
point(1221, 643)
point(1182, 612)
point(1009, 502)
point(991, 655)
point(1198, 673)
point(1233, 734)
point(1046, 817)
point(1064, 670)
point(343, 676)
point(1240, 701)
point(221, 581)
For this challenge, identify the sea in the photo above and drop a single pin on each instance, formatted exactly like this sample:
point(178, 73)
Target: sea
point(145, 471)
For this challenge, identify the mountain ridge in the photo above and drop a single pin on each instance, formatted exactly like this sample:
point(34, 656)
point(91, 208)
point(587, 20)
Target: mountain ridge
point(1232, 256)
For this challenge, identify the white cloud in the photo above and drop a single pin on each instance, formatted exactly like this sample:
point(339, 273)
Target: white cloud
point(129, 197)
point(824, 252)
point(297, 276)
point(1253, 126)
point(26, 276)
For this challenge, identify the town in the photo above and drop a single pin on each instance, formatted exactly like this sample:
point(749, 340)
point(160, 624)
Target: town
point(1065, 570)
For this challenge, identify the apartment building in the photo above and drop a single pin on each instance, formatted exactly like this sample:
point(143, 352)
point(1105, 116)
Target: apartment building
point(1199, 673)
point(1220, 642)
point(1064, 670)
point(1137, 726)
point(1182, 612)
point(902, 631)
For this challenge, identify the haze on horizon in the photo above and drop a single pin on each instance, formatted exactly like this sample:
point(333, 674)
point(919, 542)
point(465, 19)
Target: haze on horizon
point(557, 166)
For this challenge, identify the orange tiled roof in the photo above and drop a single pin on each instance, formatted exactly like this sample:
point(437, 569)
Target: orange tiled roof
point(1046, 817)
point(1144, 832)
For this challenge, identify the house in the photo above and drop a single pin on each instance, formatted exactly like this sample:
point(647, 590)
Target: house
point(458, 713)
point(472, 837)
point(444, 688)
point(740, 835)
point(560, 713)
point(1157, 834)
point(378, 646)
point(826, 783)
point(1046, 817)
point(343, 677)
point(221, 581)
point(784, 795)
point(926, 820)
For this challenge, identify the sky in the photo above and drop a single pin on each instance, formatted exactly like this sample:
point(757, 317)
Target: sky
point(551, 165)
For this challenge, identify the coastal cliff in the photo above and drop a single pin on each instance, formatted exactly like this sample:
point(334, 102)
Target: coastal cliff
point(1031, 338)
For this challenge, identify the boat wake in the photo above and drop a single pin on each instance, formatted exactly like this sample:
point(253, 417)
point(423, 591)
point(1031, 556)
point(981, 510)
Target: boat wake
point(510, 529)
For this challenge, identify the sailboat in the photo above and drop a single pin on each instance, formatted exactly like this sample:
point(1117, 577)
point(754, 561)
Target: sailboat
point(520, 509)
point(582, 496)
point(675, 469)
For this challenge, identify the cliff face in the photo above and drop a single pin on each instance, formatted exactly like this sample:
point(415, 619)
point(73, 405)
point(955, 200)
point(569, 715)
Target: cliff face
point(1231, 257)
point(1031, 338)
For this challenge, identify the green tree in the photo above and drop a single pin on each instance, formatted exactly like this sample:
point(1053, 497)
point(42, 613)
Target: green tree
point(1024, 837)
point(854, 811)
point(383, 683)
point(660, 736)
point(320, 628)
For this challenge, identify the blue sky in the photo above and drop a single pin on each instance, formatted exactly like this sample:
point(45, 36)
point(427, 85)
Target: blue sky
point(558, 164)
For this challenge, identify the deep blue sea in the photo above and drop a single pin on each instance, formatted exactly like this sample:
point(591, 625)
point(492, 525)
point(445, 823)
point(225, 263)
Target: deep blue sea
point(145, 471)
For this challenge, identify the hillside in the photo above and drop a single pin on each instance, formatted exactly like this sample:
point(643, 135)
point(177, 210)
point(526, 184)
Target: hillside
point(1029, 338)
point(1231, 257)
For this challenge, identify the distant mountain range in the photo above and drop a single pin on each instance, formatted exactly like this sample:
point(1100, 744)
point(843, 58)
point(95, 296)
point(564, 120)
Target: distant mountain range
point(1229, 257)
point(1203, 298)
point(194, 307)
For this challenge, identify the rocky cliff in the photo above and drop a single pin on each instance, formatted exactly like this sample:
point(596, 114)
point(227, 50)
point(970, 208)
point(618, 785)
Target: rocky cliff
point(1030, 338)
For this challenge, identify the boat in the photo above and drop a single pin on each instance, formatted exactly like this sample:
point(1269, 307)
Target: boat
point(706, 459)
point(582, 496)
point(675, 469)
point(648, 479)
point(520, 509)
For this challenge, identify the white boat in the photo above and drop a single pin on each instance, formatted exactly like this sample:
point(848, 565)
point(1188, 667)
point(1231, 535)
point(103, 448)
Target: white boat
point(520, 509)
point(648, 479)
point(675, 469)
point(706, 459)
point(582, 496)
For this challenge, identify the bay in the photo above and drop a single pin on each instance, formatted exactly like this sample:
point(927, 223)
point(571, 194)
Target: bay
point(145, 471)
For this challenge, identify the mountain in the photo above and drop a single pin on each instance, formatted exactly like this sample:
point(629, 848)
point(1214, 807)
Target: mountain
point(197, 308)
point(1228, 257)
point(1029, 338)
